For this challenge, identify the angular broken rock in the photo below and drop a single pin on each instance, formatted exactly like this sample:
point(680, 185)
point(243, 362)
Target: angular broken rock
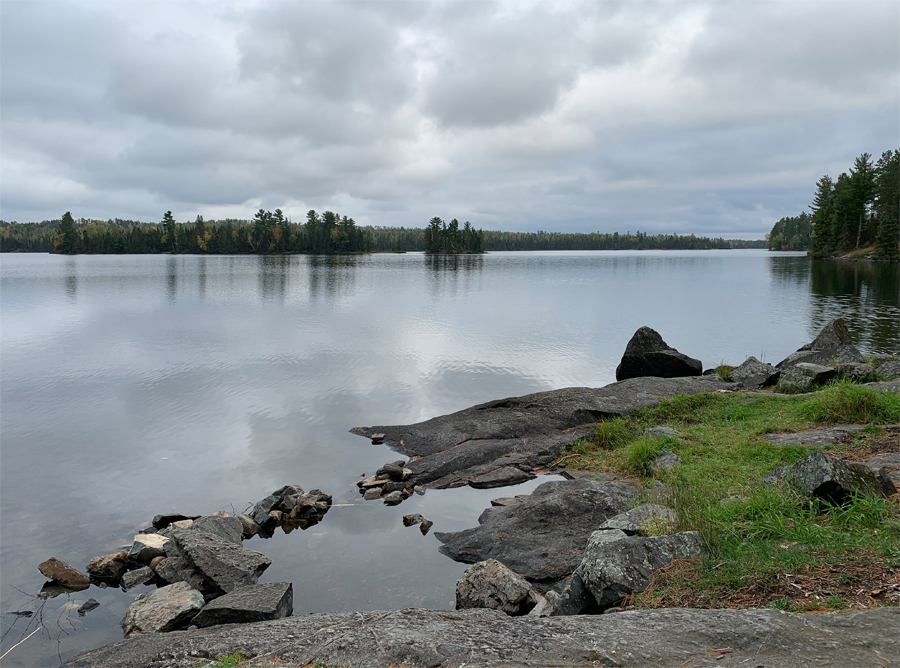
point(573, 598)
point(803, 376)
point(855, 372)
point(890, 462)
point(824, 436)
point(501, 477)
point(162, 521)
point(616, 565)
point(249, 525)
point(888, 369)
point(139, 576)
point(61, 573)
point(648, 355)
point(660, 432)
point(829, 358)
point(147, 546)
point(256, 603)
point(638, 520)
point(109, 568)
point(411, 520)
point(753, 374)
point(490, 584)
point(832, 335)
point(167, 609)
point(665, 461)
point(832, 479)
point(543, 536)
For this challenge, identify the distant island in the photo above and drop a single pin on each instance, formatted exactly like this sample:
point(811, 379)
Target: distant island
point(329, 232)
point(855, 217)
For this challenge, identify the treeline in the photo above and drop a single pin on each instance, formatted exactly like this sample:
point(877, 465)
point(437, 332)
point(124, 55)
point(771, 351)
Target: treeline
point(860, 211)
point(450, 238)
point(268, 232)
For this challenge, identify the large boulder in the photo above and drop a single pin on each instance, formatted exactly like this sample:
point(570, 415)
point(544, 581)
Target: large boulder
point(648, 355)
point(543, 536)
point(832, 335)
point(167, 609)
point(616, 565)
point(831, 347)
point(888, 370)
point(804, 376)
point(61, 573)
point(832, 479)
point(490, 584)
point(889, 462)
point(753, 374)
point(256, 603)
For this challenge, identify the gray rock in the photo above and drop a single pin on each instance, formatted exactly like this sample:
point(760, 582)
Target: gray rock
point(890, 462)
point(61, 573)
point(229, 529)
point(146, 546)
point(855, 372)
point(166, 609)
point(139, 576)
point(392, 498)
point(665, 461)
point(661, 432)
point(372, 493)
point(753, 374)
point(648, 355)
point(839, 433)
point(249, 525)
point(481, 638)
point(615, 565)
point(392, 471)
point(452, 449)
point(412, 520)
point(109, 568)
point(490, 584)
point(803, 376)
point(260, 512)
point(830, 358)
point(888, 370)
point(832, 335)
point(885, 385)
point(832, 479)
point(501, 477)
point(543, 536)
point(639, 519)
point(572, 598)
point(162, 521)
point(87, 606)
point(178, 569)
point(256, 603)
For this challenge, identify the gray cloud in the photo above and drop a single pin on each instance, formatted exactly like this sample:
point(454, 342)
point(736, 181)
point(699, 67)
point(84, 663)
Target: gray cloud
point(714, 118)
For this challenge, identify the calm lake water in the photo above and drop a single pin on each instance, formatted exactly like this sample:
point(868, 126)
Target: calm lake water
point(136, 385)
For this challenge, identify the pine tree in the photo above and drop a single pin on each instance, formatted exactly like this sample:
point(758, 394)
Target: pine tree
point(887, 205)
point(67, 238)
point(823, 241)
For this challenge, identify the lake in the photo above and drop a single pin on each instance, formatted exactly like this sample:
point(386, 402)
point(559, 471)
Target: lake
point(137, 385)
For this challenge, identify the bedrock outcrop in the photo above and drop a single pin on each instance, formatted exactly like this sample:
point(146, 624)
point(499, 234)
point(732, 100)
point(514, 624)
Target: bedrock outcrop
point(524, 432)
point(480, 638)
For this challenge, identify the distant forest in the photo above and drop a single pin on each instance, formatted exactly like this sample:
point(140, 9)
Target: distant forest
point(329, 232)
point(860, 212)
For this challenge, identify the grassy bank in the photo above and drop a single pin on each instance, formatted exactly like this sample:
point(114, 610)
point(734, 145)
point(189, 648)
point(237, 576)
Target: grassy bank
point(769, 546)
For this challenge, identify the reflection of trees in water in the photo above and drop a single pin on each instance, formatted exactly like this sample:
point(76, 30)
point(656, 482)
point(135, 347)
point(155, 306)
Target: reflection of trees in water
point(331, 274)
point(790, 269)
point(447, 270)
point(273, 276)
point(865, 294)
point(71, 279)
point(171, 277)
point(201, 276)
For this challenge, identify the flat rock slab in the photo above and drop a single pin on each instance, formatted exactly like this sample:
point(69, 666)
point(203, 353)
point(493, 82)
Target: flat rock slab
point(165, 609)
point(481, 638)
point(256, 603)
point(833, 479)
point(452, 449)
point(542, 537)
point(825, 436)
point(890, 462)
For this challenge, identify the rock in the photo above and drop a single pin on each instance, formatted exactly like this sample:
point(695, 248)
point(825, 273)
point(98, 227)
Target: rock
point(377, 439)
point(249, 526)
point(660, 432)
point(543, 536)
point(87, 606)
point(277, 515)
point(452, 449)
point(888, 370)
point(393, 487)
point(155, 562)
point(615, 565)
point(641, 520)
point(411, 520)
point(832, 479)
point(256, 603)
point(504, 501)
point(109, 568)
point(260, 511)
point(166, 609)
point(392, 498)
point(373, 481)
point(665, 461)
point(481, 638)
point(573, 598)
point(490, 584)
point(372, 494)
point(885, 386)
point(62, 574)
point(890, 462)
point(178, 569)
point(183, 524)
point(839, 433)
point(230, 529)
point(648, 355)
point(753, 374)
point(162, 521)
point(407, 473)
point(425, 526)
point(500, 477)
point(855, 372)
point(830, 358)
point(803, 376)
point(140, 576)
point(147, 546)
point(220, 513)
point(392, 471)
point(832, 335)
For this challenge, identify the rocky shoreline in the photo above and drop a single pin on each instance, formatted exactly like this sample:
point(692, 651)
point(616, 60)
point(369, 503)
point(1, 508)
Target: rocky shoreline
point(570, 550)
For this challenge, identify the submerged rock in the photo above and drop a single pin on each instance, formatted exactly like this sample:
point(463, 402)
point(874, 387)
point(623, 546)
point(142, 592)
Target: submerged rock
point(490, 584)
point(648, 355)
point(256, 603)
point(61, 573)
point(832, 479)
point(167, 609)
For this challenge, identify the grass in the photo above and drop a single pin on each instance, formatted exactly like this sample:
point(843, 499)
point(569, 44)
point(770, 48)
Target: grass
point(758, 533)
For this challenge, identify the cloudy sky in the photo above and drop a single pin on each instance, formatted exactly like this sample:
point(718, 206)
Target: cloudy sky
point(708, 117)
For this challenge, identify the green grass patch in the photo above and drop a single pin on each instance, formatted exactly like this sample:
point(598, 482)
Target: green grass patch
point(846, 402)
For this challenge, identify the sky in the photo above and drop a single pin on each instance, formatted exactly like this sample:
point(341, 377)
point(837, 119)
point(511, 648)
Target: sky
point(711, 118)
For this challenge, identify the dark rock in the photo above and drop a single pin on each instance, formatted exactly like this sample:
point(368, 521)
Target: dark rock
point(500, 477)
point(648, 355)
point(156, 561)
point(62, 574)
point(377, 439)
point(393, 487)
point(753, 374)
point(166, 609)
point(162, 521)
point(481, 638)
point(888, 369)
point(256, 603)
point(392, 499)
point(454, 448)
point(392, 471)
point(665, 461)
point(109, 568)
point(490, 584)
point(832, 479)
point(855, 372)
point(542, 537)
point(504, 501)
point(141, 576)
point(885, 385)
point(839, 433)
point(260, 512)
point(661, 432)
point(425, 526)
point(889, 462)
point(832, 335)
point(87, 606)
point(573, 598)
point(615, 565)
point(412, 520)
point(178, 569)
point(227, 528)
point(803, 376)
point(830, 358)
point(372, 494)
point(641, 518)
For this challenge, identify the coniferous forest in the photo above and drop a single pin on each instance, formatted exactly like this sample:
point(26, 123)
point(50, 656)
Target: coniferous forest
point(857, 213)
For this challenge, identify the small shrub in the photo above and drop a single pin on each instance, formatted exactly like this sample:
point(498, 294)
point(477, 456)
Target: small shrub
point(229, 661)
point(783, 603)
point(837, 602)
point(642, 451)
point(615, 433)
point(846, 402)
point(723, 371)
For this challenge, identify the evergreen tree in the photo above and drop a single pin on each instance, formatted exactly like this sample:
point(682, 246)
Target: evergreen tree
point(67, 239)
point(168, 223)
point(887, 204)
point(823, 241)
